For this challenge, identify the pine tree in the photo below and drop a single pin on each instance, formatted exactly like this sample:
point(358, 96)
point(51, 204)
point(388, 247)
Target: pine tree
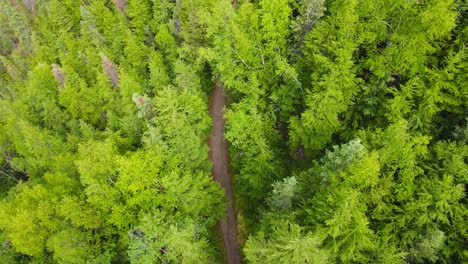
point(288, 242)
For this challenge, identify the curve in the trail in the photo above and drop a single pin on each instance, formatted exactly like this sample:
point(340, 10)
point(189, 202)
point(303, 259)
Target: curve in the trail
point(220, 159)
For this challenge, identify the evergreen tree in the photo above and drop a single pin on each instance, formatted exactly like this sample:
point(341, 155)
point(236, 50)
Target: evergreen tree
point(346, 123)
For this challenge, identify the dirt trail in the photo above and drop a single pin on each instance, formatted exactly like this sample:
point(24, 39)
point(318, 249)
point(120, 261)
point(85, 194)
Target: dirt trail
point(220, 159)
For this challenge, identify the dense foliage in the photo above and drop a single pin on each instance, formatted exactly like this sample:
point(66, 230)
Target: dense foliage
point(347, 130)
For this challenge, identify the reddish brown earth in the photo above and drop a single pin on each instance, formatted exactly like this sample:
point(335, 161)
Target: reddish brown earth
point(220, 159)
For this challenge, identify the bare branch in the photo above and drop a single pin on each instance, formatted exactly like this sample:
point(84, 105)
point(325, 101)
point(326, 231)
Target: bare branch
point(111, 70)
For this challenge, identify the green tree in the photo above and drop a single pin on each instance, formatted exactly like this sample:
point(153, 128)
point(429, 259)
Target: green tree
point(139, 12)
point(287, 243)
point(164, 238)
point(253, 137)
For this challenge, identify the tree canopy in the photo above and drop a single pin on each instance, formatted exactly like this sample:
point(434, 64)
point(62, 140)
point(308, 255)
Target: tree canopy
point(346, 123)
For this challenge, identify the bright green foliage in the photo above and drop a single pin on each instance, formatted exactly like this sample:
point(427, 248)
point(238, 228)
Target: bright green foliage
point(374, 48)
point(147, 181)
point(182, 120)
point(346, 122)
point(187, 24)
point(28, 219)
point(82, 158)
point(443, 192)
point(139, 12)
point(37, 149)
point(80, 100)
point(136, 55)
point(41, 99)
point(157, 240)
point(162, 12)
point(250, 52)
point(329, 49)
point(338, 209)
point(97, 168)
point(344, 223)
point(167, 44)
point(373, 201)
point(286, 243)
point(252, 135)
point(70, 246)
point(159, 76)
point(78, 213)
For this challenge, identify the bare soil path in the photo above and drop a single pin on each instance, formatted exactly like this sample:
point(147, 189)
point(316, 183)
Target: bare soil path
point(220, 159)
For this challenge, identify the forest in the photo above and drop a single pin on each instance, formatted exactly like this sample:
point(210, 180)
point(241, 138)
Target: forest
point(346, 125)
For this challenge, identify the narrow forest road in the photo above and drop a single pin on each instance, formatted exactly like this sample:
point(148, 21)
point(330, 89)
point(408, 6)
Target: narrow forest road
point(220, 159)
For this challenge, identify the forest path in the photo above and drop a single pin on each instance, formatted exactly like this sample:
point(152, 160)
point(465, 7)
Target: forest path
point(220, 159)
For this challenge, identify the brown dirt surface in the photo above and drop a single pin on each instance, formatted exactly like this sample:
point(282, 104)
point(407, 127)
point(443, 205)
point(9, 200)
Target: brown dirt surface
point(220, 159)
